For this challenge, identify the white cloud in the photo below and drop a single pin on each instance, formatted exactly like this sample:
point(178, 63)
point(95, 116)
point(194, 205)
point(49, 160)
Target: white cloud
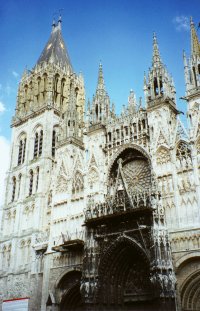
point(2, 107)
point(15, 74)
point(182, 23)
point(4, 162)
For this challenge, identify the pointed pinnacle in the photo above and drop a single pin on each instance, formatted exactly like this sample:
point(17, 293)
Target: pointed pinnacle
point(195, 44)
point(156, 54)
point(100, 84)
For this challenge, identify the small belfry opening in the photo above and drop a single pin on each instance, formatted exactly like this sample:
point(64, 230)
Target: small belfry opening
point(194, 76)
point(155, 86)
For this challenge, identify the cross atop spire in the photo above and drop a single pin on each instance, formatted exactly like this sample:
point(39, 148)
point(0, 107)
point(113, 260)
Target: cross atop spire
point(156, 61)
point(195, 44)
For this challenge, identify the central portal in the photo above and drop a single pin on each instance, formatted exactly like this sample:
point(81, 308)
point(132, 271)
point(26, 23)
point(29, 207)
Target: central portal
point(124, 278)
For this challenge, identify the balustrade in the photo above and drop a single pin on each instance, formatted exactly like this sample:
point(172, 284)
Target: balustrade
point(121, 203)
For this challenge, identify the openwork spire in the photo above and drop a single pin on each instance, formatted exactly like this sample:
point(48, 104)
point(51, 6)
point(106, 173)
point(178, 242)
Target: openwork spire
point(101, 103)
point(195, 44)
point(159, 83)
point(192, 65)
point(100, 83)
point(156, 61)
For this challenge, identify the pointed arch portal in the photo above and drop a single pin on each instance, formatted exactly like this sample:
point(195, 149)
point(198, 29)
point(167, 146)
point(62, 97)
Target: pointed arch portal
point(69, 288)
point(124, 278)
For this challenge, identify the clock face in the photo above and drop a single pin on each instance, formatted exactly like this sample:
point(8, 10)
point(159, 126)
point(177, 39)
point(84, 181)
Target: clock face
point(137, 175)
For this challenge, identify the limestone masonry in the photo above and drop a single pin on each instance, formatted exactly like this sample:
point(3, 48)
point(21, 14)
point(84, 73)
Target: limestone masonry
point(102, 211)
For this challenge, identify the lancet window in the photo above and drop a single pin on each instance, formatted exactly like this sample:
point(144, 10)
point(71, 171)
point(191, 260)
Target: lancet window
point(54, 140)
point(38, 143)
point(183, 154)
point(78, 184)
point(63, 86)
point(19, 184)
point(37, 178)
point(30, 182)
point(22, 150)
point(13, 188)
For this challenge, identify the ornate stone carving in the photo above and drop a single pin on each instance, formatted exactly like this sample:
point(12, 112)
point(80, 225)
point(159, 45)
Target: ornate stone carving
point(163, 156)
point(62, 183)
point(137, 175)
point(93, 176)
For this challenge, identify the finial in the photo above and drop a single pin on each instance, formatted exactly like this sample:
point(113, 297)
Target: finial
point(156, 54)
point(100, 84)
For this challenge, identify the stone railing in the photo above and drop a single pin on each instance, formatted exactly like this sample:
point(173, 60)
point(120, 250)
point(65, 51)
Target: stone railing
point(120, 203)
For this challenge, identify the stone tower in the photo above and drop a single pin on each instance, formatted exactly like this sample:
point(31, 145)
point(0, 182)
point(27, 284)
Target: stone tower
point(49, 111)
point(102, 210)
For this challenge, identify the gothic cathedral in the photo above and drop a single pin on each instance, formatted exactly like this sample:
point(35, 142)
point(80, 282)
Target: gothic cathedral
point(102, 211)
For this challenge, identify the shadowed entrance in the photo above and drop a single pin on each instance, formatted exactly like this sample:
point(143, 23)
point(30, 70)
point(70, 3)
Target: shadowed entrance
point(70, 289)
point(124, 282)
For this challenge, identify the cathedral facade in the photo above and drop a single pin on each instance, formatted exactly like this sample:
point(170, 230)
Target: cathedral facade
point(102, 211)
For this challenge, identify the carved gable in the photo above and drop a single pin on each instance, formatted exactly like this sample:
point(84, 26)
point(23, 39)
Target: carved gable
point(62, 184)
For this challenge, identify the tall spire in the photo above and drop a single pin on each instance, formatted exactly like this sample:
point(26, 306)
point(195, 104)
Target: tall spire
point(100, 83)
point(156, 61)
point(195, 44)
point(55, 50)
point(159, 82)
point(101, 103)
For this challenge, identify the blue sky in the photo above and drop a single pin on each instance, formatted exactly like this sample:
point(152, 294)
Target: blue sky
point(119, 33)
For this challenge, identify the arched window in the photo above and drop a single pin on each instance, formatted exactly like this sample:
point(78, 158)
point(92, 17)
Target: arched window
point(45, 82)
point(38, 88)
point(38, 142)
point(194, 75)
point(22, 150)
point(44, 86)
point(30, 182)
point(56, 88)
point(161, 86)
point(183, 151)
point(78, 184)
point(155, 86)
point(53, 143)
point(37, 178)
point(13, 188)
point(63, 82)
point(19, 184)
point(36, 145)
